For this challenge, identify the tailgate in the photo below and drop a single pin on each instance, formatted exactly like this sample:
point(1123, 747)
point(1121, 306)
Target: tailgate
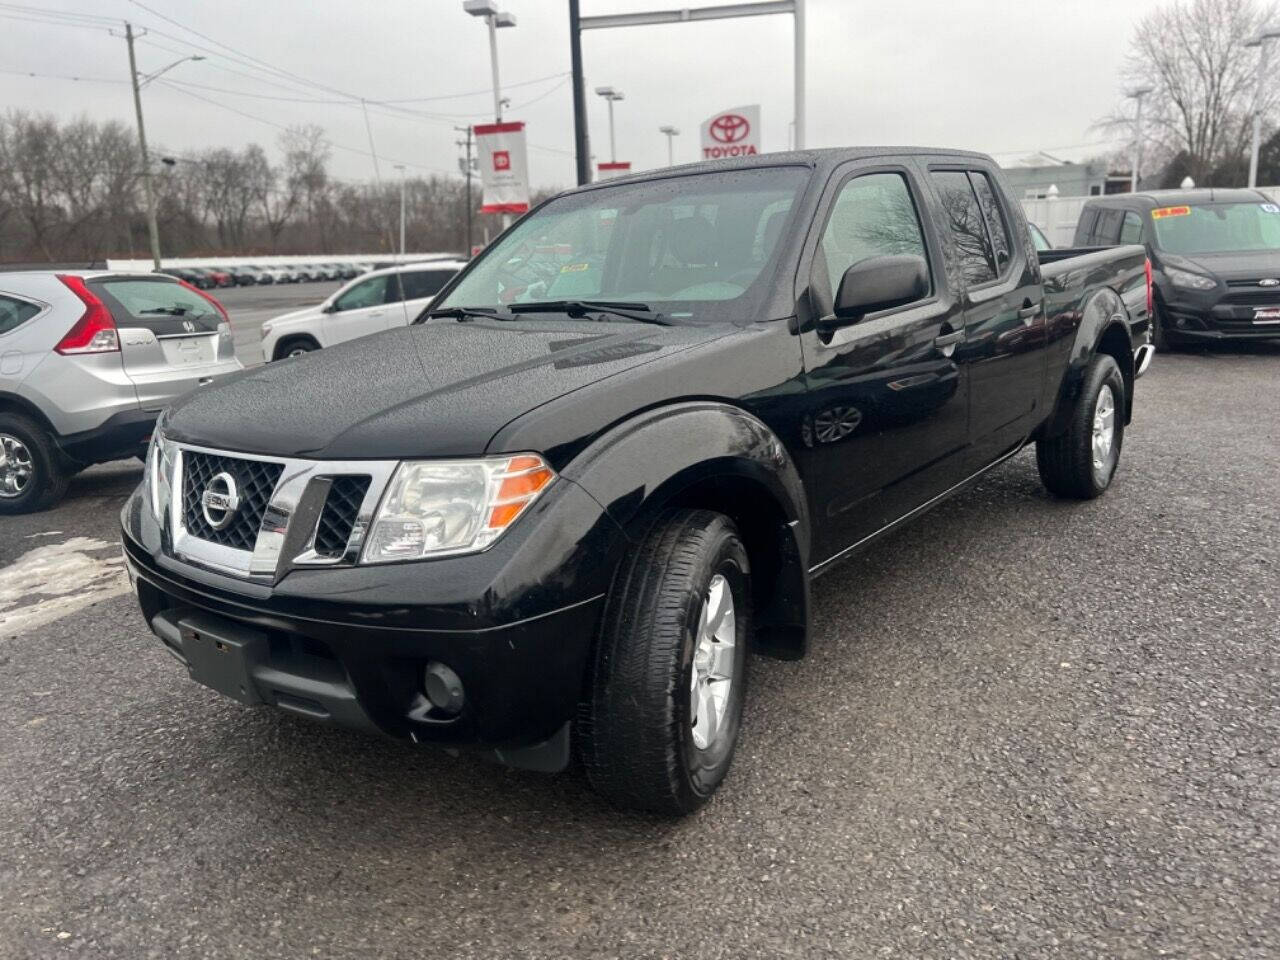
point(172, 338)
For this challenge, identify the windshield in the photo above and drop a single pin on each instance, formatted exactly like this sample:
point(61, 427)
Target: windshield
point(1217, 228)
point(690, 247)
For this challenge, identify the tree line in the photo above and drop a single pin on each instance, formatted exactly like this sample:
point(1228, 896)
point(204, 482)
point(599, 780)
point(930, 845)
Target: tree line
point(74, 192)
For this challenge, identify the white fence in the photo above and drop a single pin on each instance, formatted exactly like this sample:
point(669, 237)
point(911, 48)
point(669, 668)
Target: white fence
point(271, 261)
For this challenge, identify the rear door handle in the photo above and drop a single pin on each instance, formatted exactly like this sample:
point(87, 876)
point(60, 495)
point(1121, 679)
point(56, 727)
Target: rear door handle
point(948, 339)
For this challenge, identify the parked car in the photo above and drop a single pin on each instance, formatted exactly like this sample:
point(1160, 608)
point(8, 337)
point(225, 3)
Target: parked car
point(89, 359)
point(602, 469)
point(261, 274)
point(372, 302)
point(1215, 257)
point(242, 276)
point(222, 277)
point(347, 271)
point(200, 277)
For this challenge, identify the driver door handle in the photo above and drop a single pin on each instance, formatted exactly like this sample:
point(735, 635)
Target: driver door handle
point(1029, 310)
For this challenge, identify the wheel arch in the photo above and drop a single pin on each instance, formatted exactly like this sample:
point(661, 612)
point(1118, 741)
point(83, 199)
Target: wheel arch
point(12, 403)
point(714, 456)
point(283, 342)
point(1104, 329)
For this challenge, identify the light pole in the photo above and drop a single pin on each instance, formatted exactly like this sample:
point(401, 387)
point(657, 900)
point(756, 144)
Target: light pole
point(400, 167)
point(494, 18)
point(1264, 54)
point(611, 95)
point(1137, 96)
point(671, 132)
point(139, 81)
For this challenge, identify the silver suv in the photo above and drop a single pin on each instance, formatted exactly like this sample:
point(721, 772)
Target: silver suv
point(87, 362)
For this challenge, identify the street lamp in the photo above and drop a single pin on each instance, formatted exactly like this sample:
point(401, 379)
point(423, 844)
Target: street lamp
point(1137, 95)
point(670, 132)
point(400, 167)
point(611, 95)
point(494, 18)
point(1264, 54)
point(143, 80)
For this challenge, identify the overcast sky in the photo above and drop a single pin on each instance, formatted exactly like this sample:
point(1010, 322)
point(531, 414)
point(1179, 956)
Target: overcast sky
point(1004, 76)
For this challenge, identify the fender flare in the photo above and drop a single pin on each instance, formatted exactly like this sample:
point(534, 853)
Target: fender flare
point(1104, 328)
point(717, 456)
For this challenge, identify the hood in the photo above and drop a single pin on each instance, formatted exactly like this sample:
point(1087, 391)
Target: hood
point(439, 389)
point(1246, 265)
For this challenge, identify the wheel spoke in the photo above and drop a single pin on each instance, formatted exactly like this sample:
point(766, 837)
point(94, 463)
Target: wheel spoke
point(721, 666)
point(708, 714)
point(719, 603)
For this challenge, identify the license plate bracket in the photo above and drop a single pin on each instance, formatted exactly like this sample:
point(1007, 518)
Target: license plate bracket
point(1266, 315)
point(221, 655)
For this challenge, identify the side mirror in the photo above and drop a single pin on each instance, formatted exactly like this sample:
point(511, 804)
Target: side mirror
point(879, 283)
point(329, 308)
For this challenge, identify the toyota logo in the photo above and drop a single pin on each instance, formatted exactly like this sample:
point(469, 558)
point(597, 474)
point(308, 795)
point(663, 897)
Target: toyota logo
point(1269, 282)
point(220, 501)
point(730, 128)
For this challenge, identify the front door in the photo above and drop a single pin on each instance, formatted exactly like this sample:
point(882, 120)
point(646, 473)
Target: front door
point(362, 309)
point(886, 422)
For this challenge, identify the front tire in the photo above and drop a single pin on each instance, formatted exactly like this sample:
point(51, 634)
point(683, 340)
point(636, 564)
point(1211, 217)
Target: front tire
point(295, 347)
point(668, 681)
point(1080, 464)
point(33, 475)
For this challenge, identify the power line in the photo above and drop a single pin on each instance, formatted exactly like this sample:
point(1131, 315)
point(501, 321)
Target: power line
point(59, 76)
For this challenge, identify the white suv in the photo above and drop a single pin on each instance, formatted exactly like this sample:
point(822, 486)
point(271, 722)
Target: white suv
point(378, 300)
point(87, 362)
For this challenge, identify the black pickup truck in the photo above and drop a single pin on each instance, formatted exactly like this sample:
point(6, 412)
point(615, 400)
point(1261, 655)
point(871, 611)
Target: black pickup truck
point(558, 513)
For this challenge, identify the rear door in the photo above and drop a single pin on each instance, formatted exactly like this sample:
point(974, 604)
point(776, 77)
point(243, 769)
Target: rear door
point(172, 338)
point(1004, 310)
point(886, 407)
point(421, 287)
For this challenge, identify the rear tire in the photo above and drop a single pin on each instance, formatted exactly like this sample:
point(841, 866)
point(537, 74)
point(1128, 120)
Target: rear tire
point(669, 675)
point(295, 347)
point(33, 472)
point(1160, 337)
point(1079, 464)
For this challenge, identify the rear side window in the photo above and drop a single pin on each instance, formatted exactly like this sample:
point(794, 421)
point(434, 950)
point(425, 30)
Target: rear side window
point(996, 227)
point(14, 312)
point(421, 284)
point(966, 221)
point(1107, 231)
point(1131, 229)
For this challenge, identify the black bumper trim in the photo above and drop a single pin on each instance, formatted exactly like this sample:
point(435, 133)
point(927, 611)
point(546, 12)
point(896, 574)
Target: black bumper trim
point(122, 435)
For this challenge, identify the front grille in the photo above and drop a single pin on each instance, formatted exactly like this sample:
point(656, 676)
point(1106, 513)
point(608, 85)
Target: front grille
point(338, 518)
point(255, 482)
point(1256, 297)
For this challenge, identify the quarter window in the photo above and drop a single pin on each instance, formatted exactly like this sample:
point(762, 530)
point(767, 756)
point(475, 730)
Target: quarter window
point(965, 218)
point(14, 312)
point(1131, 230)
point(874, 216)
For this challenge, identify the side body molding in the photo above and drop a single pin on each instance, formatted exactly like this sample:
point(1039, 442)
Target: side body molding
point(719, 457)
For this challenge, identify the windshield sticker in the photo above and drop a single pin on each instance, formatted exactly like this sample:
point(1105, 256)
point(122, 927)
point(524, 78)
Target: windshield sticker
point(1269, 208)
point(575, 267)
point(1170, 212)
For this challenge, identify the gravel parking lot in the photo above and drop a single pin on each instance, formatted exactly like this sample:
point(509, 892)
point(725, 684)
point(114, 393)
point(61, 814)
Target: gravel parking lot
point(1027, 729)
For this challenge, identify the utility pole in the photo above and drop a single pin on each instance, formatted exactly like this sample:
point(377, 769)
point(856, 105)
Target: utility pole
point(1264, 55)
point(1138, 96)
point(613, 96)
point(670, 132)
point(148, 187)
point(466, 172)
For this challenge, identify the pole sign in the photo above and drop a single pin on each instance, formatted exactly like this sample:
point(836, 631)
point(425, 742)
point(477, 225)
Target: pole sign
point(607, 171)
point(733, 133)
point(504, 167)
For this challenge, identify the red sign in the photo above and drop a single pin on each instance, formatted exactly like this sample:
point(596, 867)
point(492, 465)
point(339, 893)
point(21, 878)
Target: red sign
point(733, 133)
point(730, 128)
point(501, 160)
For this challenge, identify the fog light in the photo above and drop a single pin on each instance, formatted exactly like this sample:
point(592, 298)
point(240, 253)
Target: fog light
point(443, 687)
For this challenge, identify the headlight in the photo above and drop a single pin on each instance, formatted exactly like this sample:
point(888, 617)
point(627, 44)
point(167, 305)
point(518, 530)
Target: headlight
point(158, 474)
point(1188, 280)
point(441, 507)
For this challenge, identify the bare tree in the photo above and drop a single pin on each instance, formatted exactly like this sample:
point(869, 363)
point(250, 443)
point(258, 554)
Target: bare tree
point(1192, 55)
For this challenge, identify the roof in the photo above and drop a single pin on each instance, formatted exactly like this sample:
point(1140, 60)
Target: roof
point(1171, 198)
point(824, 158)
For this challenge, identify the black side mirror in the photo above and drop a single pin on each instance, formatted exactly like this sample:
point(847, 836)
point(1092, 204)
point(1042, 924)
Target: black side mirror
point(879, 283)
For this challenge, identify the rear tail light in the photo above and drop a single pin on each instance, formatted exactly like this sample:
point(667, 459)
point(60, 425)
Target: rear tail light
point(95, 331)
point(1151, 299)
point(221, 309)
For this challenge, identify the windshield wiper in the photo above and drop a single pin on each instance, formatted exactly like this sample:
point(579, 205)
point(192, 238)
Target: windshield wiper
point(640, 312)
point(463, 314)
point(167, 311)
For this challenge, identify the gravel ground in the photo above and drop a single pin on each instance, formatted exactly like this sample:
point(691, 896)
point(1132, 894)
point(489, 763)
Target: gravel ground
point(1027, 729)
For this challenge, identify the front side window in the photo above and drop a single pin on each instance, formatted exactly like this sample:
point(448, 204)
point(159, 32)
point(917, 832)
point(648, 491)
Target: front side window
point(1217, 228)
point(1107, 232)
point(367, 293)
point(968, 228)
point(689, 246)
point(873, 216)
point(996, 226)
point(14, 312)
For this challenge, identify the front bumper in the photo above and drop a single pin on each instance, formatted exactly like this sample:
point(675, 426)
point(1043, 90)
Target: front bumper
point(1219, 315)
point(348, 645)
